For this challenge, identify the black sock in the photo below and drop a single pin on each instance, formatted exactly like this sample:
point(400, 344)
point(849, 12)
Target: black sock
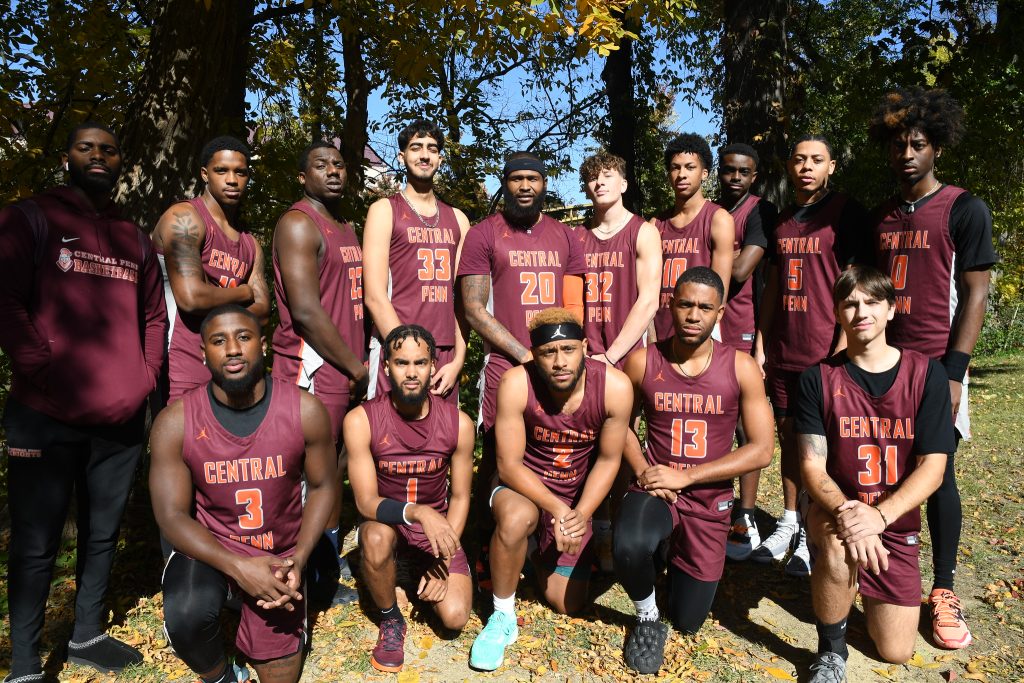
point(226, 676)
point(85, 632)
point(832, 638)
point(392, 613)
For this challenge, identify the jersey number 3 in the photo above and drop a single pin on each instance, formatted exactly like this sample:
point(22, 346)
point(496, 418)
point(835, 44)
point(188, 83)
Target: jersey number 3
point(252, 499)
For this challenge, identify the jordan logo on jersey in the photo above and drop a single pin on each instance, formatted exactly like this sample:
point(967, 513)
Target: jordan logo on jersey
point(659, 377)
point(202, 434)
point(385, 441)
point(839, 392)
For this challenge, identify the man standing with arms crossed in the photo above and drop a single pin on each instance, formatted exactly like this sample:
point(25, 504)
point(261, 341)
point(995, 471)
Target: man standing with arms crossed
point(320, 343)
point(411, 246)
point(936, 242)
point(874, 434)
point(236, 451)
point(754, 218)
point(208, 259)
point(84, 326)
point(402, 446)
point(514, 264)
point(561, 427)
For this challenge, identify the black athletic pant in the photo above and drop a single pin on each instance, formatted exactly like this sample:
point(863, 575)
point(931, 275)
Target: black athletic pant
point(48, 461)
point(194, 594)
point(644, 522)
point(945, 518)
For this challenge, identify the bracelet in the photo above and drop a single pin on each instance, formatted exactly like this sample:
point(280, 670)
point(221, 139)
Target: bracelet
point(882, 515)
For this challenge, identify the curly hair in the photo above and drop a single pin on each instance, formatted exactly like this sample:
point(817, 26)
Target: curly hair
point(933, 112)
point(689, 143)
point(602, 161)
point(741, 148)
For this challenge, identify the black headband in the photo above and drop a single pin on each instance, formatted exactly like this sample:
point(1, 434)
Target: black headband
point(544, 334)
point(524, 164)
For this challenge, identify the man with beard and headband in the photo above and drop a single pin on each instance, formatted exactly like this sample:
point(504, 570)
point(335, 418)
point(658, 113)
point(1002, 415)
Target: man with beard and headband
point(402, 446)
point(320, 342)
point(692, 391)
point(208, 260)
point(514, 264)
point(84, 325)
point(228, 463)
point(561, 427)
point(411, 245)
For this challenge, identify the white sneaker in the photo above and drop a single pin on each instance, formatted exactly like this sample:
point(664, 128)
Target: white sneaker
point(775, 547)
point(743, 538)
point(800, 562)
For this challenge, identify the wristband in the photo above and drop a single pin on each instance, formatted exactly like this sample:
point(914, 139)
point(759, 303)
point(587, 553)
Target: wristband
point(392, 512)
point(956, 363)
point(882, 515)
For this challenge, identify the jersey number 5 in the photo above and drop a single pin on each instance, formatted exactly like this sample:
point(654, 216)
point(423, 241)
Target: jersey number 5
point(252, 499)
point(697, 433)
point(795, 276)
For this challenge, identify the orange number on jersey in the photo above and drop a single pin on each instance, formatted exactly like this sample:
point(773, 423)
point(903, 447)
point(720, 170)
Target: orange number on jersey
point(355, 277)
point(697, 431)
point(437, 264)
point(563, 457)
point(899, 271)
point(599, 287)
point(795, 278)
point(226, 281)
point(538, 289)
point(411, 490)
point(252, 499)
point(674, 267)
point(872, 472)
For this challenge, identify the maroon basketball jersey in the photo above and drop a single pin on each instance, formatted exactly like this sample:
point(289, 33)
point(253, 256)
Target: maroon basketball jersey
point(226, 263)
point(691, 420)
point(737, 326)
point(871, 439)
point(681, 248)
point(526, 267)
point(421, 268)
point(611, 288)
point(917, 251)
point(805, 323)
point(247, 488)
point(341, 295)
point(560, 449)
point(412, 457)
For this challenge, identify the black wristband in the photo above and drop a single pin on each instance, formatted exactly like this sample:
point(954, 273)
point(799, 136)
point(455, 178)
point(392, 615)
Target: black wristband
point(391, 512)
point(956, 363)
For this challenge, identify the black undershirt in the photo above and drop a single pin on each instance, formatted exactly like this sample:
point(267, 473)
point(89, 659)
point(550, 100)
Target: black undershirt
point(852, 230)
point(933, 424)
point(764, 214)
point(245, 421)
point(970, 228)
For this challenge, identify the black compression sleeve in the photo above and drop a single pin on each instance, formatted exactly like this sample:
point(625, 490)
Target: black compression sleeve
point(933, 427)
point(809, 404)
point(970, 228)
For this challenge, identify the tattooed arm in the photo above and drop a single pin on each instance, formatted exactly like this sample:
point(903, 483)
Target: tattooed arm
point(476, 289)
point(180, 233)
point(820, 486)
point(260, 307)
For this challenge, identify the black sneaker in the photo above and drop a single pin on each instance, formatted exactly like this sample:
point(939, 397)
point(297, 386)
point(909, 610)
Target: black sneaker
point(104, 653)
point(31, 678)
point(645, 647)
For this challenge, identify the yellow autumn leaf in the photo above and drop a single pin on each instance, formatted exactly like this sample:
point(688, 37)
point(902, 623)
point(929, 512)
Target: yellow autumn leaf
point(884, 673)
point(779, 674)
point(426, 643)
point(976, 676)
point(409, 676)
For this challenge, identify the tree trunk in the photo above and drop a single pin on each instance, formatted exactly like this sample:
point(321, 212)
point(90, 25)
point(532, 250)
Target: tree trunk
point(622, 115)
point(192, 88)
point(357, 94)
point(754, 90)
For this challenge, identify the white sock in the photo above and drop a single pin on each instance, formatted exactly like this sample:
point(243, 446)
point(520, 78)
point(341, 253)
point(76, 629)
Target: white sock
point(647, 609)
point(789, 518)
point(506, 605)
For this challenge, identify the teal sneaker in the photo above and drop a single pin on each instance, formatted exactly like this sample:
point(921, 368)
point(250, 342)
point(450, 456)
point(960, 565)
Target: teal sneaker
point(488, 650)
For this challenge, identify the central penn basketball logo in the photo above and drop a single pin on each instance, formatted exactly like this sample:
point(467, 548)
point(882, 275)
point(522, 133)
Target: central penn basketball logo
point(64, 261)
point(558, 333)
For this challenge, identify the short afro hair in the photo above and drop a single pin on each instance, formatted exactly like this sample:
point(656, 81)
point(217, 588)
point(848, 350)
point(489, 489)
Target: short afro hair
point(228, 309)
point(304, 157)
point(701, 275)
point(553, 316)
point(88, 125)
point(602, 161)
point(933, 112)
point(224, 143)
point(740, 148)
point(421, 128)
point(398, 334)
point(689, 143)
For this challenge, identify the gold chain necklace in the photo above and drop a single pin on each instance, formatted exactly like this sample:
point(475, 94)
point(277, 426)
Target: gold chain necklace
point(707, 364)
point(437, 214)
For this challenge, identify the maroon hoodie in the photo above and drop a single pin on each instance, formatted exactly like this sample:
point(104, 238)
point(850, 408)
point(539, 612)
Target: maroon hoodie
point(82, 316)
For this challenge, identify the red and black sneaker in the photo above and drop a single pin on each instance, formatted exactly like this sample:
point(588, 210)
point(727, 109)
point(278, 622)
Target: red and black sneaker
point(483, 569)
point(389, 653)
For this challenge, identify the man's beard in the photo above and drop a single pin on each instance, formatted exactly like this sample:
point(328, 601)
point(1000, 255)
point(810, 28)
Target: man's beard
point(239, 386)
point(550, 382)
point(517, 214)
point(92, 184)
point(400, 395)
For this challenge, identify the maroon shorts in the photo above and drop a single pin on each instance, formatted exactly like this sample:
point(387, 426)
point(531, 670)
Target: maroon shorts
point(578, 566)
point(494, 367)
point(337, 409)
point(413, 543)
point(379, 379)
point(699, 535)
point(782, 387)
point(901, 583)
point(269, 634)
